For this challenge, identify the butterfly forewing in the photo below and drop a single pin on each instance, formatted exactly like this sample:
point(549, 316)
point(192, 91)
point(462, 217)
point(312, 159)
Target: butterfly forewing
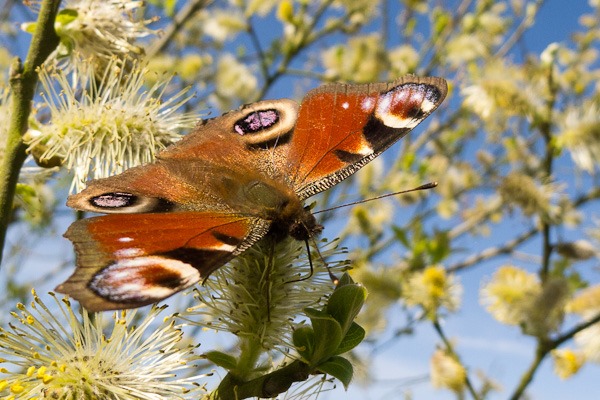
point(341, 127)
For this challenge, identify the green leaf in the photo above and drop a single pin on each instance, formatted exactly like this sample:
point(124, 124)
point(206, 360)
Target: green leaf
point(25, 190)
point(328, 335)
point(440, 21)
point(353, 337)
point(346, 279)
point(339, 368)
point(439, 246)
point(400, 234)
point(304, 341)
point(407, 161)
point(65, 47)
point(221, 359)
point(65, 17)
point(345, 303)
point(411, 25)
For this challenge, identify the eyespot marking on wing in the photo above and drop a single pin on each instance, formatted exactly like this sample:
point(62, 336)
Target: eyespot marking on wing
point(113, 200)
point(406, 105)
point(266, 121)
point(122, 202)
point(256, 121)
point(143, 279)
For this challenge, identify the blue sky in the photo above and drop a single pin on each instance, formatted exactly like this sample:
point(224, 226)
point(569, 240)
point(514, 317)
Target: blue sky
point(500, 351)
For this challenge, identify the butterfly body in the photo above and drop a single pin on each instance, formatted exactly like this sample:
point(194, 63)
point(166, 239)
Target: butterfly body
point(232, 181)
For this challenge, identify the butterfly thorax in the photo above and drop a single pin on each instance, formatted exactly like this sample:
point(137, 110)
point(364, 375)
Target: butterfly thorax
point(280, 205)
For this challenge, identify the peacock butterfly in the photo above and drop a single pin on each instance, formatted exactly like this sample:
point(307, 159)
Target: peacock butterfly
point(230, 182)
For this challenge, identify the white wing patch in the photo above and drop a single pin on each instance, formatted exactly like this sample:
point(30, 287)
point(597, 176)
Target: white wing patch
point(147, 279)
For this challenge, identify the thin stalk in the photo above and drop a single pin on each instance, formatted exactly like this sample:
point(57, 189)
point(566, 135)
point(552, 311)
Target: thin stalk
point(187, 12)
point(527, 377)
point(546, 131)
point(544, 348)
point(450, 348)
point(23, 80)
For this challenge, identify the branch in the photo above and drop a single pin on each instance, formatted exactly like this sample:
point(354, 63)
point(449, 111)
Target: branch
point(528, 376)
point(262, 59)
point(575, 330)
point(308, 38)
point(550, 150)
point(493, 251)
point(519, 32)
point(184, 15)
point(450, 348)
point(23, 80)
point(544, 347)
point(509, 246)
point(434, 47)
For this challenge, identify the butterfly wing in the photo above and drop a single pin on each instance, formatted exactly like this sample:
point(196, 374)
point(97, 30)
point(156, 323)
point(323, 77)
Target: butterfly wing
point(200, 204)
point(341, 128)
point(212, 169)
point(217, 191)
point(130, 260)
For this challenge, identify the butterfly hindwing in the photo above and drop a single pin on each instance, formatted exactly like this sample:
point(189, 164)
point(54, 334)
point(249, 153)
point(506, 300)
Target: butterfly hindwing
point(130, 260)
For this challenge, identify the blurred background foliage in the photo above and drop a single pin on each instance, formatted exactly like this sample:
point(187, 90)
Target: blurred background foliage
point(515, 151)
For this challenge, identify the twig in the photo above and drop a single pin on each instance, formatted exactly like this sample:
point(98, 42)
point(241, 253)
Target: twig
point(493, 251)
point(433, 47)
point(450, 348)
point(187, 12)
point(23, 79)
point(518, 33)
point(546, 131)
point(307, 39)
point(544, 347)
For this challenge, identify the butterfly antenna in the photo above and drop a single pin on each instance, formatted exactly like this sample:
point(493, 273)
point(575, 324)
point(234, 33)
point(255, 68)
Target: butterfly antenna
point(426, 186)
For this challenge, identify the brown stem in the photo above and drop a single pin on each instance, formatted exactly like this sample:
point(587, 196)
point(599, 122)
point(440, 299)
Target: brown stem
point(528, 375)
point(546, 131)
point(491, 252)
point(307, 39)
point(519, 32)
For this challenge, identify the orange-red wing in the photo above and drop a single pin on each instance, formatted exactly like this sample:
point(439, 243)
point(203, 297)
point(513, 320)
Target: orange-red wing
point(130, 260)
point(341, 128)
